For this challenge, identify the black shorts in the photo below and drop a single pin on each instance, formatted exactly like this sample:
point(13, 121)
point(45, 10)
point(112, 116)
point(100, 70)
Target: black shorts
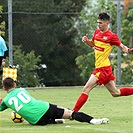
point(54, 112)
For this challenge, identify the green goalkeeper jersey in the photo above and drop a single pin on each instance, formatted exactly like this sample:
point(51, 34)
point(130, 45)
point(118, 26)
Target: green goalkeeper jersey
point(25, 105)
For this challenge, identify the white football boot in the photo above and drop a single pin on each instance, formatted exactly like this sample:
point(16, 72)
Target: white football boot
point(99, 121)
point(59, 121)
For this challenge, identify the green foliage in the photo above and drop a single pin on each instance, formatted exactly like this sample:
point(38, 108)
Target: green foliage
point(86, 64)
point(0, 9)
point(127, 70)
point(2, 23)
point(127, 75)
point(127, 29)
point(28, 66)
point(48, 29)
point(127, 39)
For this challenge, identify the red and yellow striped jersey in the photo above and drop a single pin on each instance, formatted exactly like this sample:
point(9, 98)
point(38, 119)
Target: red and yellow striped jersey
point(103, 46)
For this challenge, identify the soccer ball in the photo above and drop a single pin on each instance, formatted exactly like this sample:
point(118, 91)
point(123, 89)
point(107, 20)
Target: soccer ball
point(16, 118)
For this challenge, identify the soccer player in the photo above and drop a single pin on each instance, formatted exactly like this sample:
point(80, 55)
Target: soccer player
point(38, 112)
point(103, 41)
point(3, 50)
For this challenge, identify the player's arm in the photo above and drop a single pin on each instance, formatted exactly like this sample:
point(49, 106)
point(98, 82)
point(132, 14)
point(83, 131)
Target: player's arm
point(3, 106)
point(4, 57)
point(87, 41)
point(126, 49)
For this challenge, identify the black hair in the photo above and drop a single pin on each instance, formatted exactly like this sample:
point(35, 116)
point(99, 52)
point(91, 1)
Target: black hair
point(104, 16)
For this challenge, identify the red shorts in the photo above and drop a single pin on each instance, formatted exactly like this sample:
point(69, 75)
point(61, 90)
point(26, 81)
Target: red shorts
point(104, 75)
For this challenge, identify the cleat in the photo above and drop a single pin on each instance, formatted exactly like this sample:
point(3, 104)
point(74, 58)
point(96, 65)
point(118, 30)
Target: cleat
point(59, 121)
point(105, 120)
point(99, 121)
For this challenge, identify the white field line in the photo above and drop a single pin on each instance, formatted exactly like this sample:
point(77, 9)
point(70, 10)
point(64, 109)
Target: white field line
point(98, 129)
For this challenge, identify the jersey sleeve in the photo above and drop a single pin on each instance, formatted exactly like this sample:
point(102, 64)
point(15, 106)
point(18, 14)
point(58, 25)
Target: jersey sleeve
point(115, 40)
point(4, 47)
point(3, 106)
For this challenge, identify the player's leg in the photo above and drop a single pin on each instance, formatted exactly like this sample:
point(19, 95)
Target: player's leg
point(52, 116)
point(112, 88)
point(82, 117)
point(91, 83)
point(121, 92)
point(126, 91)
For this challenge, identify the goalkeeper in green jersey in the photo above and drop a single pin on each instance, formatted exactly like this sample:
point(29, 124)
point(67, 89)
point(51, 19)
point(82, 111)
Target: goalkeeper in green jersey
point(38, 112)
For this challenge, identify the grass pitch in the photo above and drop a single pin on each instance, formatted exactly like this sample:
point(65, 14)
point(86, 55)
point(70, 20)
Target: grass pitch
point(100, 104)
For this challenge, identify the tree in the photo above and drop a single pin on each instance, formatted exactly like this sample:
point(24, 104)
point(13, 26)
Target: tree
point(27, 62)
point(127, 39)
point(82, 62)
point(47, 28)
point(28, 67)
point(2, 23)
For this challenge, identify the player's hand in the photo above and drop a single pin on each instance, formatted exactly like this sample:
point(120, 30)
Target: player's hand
point(85, 38)
point(0, 100)
point(130, 50)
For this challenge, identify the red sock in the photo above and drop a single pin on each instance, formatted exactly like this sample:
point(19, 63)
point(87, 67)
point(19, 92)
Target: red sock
point(80, 102)
point(126, 91)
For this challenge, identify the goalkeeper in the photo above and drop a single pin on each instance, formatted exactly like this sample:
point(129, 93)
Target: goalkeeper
point(38, 112)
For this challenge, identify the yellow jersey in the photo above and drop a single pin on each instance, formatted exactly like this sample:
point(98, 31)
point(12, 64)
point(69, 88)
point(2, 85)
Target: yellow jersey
point(103, 46)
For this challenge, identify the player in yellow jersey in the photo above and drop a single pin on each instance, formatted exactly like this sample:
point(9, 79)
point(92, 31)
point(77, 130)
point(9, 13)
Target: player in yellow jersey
point(103, 40)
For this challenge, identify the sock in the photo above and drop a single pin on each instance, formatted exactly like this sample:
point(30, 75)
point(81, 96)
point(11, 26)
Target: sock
point(81, 117)
point(80, 102)
point(126, 91)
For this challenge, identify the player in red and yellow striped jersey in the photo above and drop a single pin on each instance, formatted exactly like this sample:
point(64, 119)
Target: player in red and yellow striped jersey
point(103, 41)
